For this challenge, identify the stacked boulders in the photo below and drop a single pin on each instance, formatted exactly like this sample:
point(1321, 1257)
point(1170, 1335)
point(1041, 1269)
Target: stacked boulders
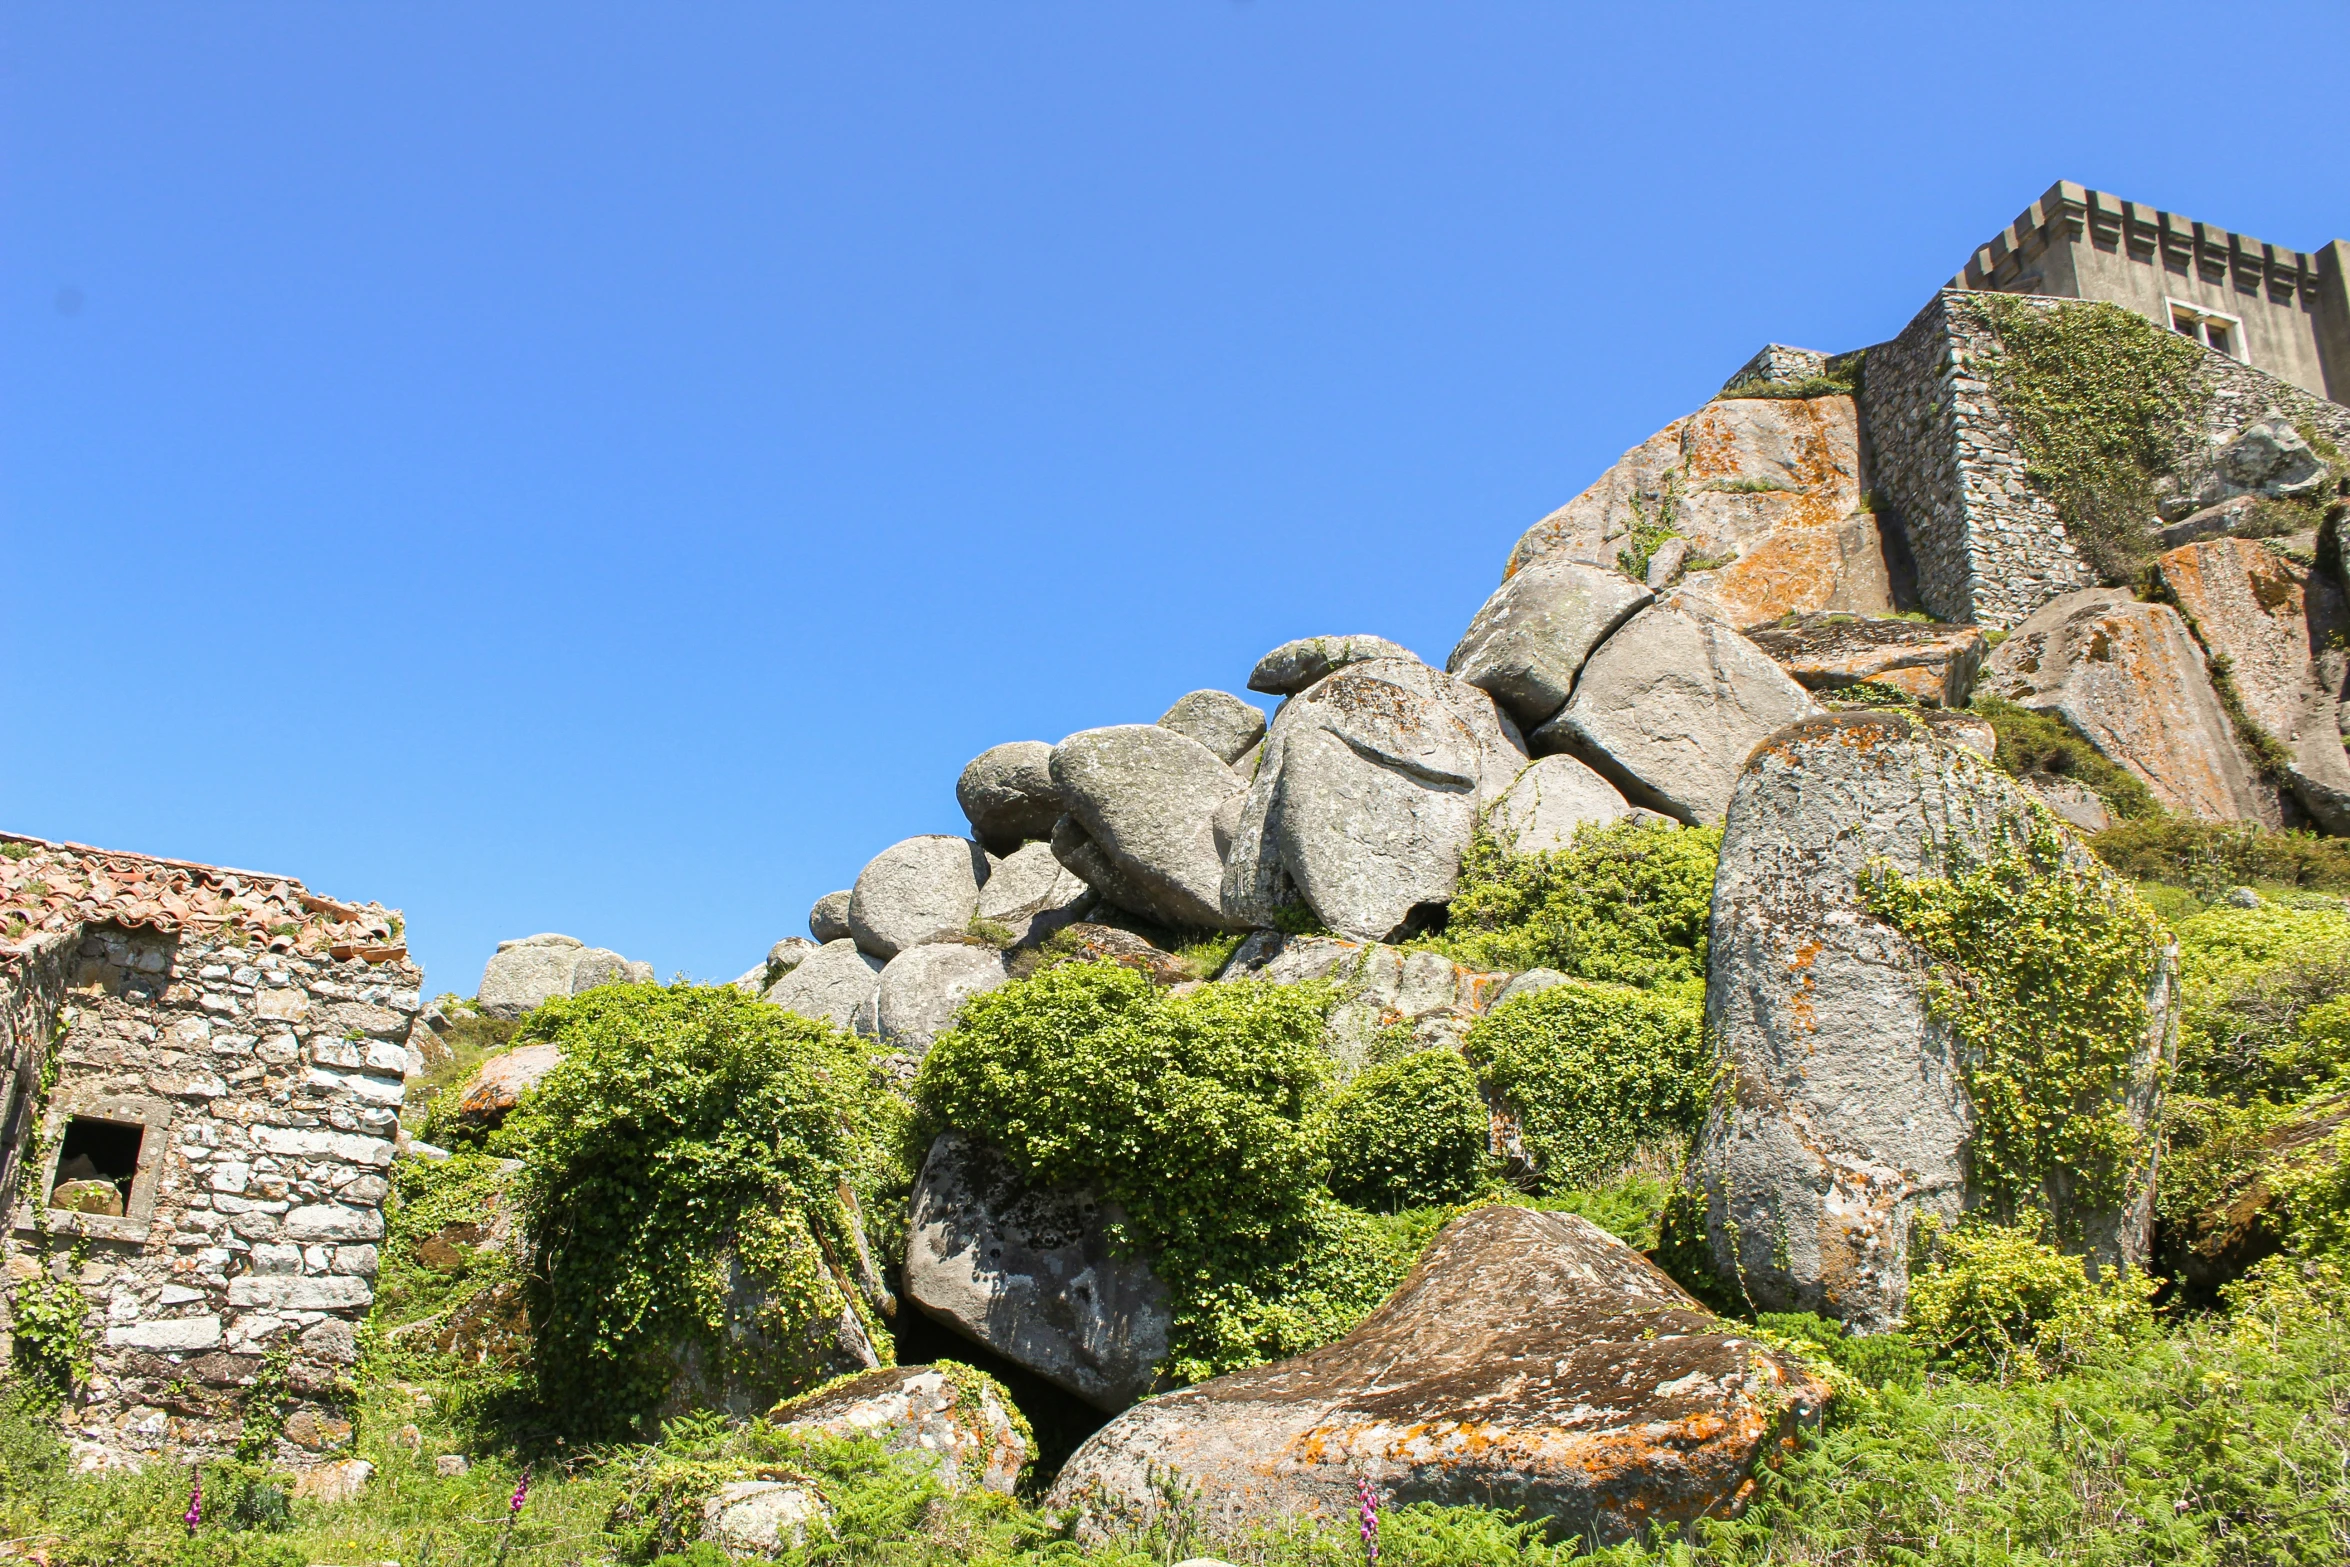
point(525, 972)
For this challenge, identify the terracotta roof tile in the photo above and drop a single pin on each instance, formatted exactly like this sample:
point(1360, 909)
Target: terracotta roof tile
point(50, 888)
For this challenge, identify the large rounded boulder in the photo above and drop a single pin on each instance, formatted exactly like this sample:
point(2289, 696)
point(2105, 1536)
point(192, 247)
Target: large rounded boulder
point(1009, 796)
point(1145, 800)
point(923, 889)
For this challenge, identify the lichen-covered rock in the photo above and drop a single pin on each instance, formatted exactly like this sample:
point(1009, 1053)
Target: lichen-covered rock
point(951, 1421)
point(1032, 894)
point(922, 988)
point(1550, 802)
point(1293, 666)
point(2282, 628)
point(922, 889)
point(1847, 1120)
point(782, 958)
point(1934, 663)
point(1366, 797)
point(1090, 942)
point(1146, 798)
point(828, 917)
point(1030, 1274)
point(761, 1517)
point(535, 969)
point(837, 984)
point(1378, 988)
point(1531, 1359)
point(2269, 459)
point(1218, 720)
point(1669, 707)
point(1008, 793)
point(2131, 681)
point(1532, 636)
point(498, 1084)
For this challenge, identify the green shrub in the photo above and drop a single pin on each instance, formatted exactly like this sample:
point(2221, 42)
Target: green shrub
point(1997, 1301)
point(2210, 857)
point(1875, 1360)
point(2046, 963)
point(2263, 1001)
point(1594, 1072)
point(2033, 744)
point(1200, 1114)
point(1409, 1133)
point(690, 1132)
point(1625, 903)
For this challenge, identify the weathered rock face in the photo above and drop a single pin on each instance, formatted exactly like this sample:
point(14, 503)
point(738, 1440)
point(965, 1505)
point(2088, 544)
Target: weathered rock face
point(1218, 720)
point(916, 891)
point(959, 1430)
point(2131, 680)
point(782, 958)
point(535, 969)
point(1379, 987)
point(922, 987)
point(498, 1085)
point(1532, 636)
point(1772, 486)
point(838, 984)
point(1293, 666)
point(2267, 460)
point(1531, 1358)
point(2080, 806)
point(1669, 707)
point(1087, 942)
point(1365, 798)
point(1848, 1118)
point(1029, 1274)
point(2281, 627)
point(761, 1517)
point(1008, 793)
point(828, 919)
point(1147, 798)
point(1551, 800)
point(1032, 894)
point(1934, 663)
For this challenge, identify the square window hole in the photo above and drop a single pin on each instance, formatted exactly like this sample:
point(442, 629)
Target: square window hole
point(96, 1164)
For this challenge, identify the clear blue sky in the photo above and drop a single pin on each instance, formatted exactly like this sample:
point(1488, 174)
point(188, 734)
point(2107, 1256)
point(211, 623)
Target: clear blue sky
point(606, 468)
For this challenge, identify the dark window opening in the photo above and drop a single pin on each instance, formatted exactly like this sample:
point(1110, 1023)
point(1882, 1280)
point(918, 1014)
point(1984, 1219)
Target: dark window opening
point(2218, 337)
point(2183, 324)
point(95, 1166)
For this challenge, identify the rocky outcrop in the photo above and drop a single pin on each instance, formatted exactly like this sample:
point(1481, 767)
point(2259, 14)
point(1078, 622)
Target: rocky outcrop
point(1847, 1119)
point(761, 1517)
point(1029, 1273)
point(2131, 681)
point(2282, 628)
point(782, 958)
point(1378, 988)
point(828, 917)
point(1088, 942)
point(1933, 662)
point(1032, 894)
point(1293, 666)
point(950, 1422)
point(1550, 802)
point(1365, 798)
point(1218, 720)
point(1145, 799)
point(921, 890)
point(535, 969)
point(2267, 460)
point(1765, 494)
point(1531, 1358)
point(1669, 707)
point(498, 1084)
point(1009, 796)
point(922, 988)
point(838, 984)
point(1532, 636)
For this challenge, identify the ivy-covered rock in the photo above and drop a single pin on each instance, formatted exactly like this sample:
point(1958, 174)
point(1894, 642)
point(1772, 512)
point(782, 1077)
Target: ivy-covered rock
point(945, 1419)
point(1929, 999)
point(1531, 1359)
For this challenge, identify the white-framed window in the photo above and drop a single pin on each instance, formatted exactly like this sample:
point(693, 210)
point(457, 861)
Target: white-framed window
point(2208, 327)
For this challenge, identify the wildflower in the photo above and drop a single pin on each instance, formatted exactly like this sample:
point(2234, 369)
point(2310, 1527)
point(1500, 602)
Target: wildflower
point(1370, 1510)
point(195, 1513)
point(521, 1490)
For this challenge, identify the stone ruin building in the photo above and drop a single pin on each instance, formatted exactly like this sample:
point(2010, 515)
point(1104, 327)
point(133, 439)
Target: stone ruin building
point(204, 1070)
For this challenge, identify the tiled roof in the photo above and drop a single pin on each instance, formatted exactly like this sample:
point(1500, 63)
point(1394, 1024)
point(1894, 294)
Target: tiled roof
point(47, 889)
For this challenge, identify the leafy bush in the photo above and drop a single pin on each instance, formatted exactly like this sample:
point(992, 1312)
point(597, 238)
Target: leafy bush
point(691, 1133)
point(1593, 1072)
point(1200, 1115)
point(2047, 963)
point(1625, 903)
point(1409, 1133)
point(2263, 994)
point(1875, 1360)
point(2041, 745)
point(1995, 1301)
point(2212, 856)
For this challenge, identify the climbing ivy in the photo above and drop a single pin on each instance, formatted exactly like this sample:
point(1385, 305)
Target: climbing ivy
point(2046, 965)
point(1408, 1133)
point(2102, 400)
point(694, 1144)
